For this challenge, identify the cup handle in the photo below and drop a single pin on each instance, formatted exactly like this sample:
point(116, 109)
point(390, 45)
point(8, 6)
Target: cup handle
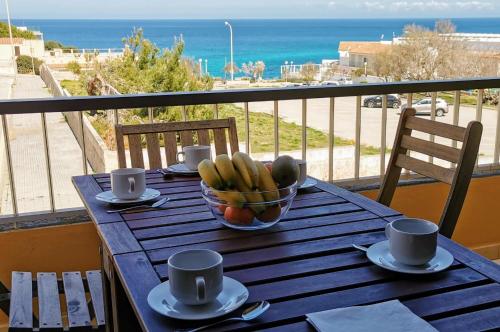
point(388, 230)
point(131, 182)
point(200, 288)
point(183, 158)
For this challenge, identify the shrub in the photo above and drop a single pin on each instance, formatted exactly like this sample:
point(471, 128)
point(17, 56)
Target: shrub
point(25, 65)
point(74, 67)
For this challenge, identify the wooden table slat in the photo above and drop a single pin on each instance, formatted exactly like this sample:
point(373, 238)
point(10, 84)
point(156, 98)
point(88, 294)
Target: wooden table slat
point(21, 301)
point(118, 238)
point(49, 306)
point(78, 311)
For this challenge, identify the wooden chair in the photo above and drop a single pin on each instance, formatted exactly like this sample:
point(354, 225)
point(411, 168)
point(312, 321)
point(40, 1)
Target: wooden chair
point(170, 132)
point(458, 177)
point(47, 288)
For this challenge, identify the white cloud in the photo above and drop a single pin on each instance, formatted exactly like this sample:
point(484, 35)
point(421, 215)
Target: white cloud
point(474, 5)
point(374, 5)
point(331, 4)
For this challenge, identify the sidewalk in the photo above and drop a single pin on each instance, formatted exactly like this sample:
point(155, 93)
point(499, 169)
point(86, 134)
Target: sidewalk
point(28, 154)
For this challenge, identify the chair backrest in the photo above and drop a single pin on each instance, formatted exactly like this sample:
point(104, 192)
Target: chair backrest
point(187, 133)
point(459, 177)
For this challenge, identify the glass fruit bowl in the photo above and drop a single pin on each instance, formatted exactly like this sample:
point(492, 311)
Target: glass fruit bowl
point(249, 210)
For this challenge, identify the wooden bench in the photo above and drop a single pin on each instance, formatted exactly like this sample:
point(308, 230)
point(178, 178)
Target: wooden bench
point(47, 289)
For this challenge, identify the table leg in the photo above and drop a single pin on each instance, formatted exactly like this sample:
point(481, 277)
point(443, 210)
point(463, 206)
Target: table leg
point(106, 289)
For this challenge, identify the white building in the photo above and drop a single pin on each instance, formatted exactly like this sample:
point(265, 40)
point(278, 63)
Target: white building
point(19, 46)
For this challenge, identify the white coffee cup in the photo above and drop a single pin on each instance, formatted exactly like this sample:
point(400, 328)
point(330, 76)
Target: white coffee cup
point(412, 241)
point(192, 155)
point(195, 276)
point(302, 171)
point(128, 183)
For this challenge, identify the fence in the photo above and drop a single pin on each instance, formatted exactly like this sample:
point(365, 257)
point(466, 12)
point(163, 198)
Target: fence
point(331, 95)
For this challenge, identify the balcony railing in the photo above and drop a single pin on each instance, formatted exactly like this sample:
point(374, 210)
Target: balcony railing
point(116, 103)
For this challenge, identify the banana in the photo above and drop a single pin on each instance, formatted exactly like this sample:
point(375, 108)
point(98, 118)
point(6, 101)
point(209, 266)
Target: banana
point(246, 167)
point(231, 197)
point(266, 183)
point(250, 196)
point(209, 174)
point(225, 167)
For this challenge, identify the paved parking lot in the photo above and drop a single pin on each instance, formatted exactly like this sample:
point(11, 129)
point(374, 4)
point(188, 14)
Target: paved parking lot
point(317, 117)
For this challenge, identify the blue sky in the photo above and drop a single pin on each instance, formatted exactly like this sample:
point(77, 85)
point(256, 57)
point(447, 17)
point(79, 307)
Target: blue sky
point(158, 9)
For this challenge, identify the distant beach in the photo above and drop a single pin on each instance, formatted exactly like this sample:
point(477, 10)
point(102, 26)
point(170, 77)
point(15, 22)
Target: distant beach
point(272, 41)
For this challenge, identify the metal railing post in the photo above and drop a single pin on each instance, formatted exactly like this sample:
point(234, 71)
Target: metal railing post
point(216, 111)
point(47, 162)
point(84, 150)
point(304, 129)
point(247, 128)
point(496, 155)
point(432, 138)
point(383, 136)
point(276, 130)
point(456, 113)
point(151, 115)
point(357, 146)
point(479, 105)
point(116, 116)
point(10, 170)
point(184, 113)
point(331, 138)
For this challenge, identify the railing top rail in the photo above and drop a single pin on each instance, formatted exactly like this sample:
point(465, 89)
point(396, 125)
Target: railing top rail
point(68, 104)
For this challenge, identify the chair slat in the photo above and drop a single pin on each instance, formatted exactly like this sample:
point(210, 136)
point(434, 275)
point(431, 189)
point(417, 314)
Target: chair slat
point(135, 147)
point(21, 303)
point(186, 138)
point(153, 146)
point(120, 147)
point(430, 148)
point(424, 168)
point(94, 279)
point(49, 307)
point(233, 136)
point(436, 128)
point(203, 137)
point(220, 141)
point(78, 312)
point(170, 141)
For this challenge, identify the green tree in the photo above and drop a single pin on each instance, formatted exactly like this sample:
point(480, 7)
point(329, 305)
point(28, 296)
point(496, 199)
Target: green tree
point(16, 33)
point(308, 72)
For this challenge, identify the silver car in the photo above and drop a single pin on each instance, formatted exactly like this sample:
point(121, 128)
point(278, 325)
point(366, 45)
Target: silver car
point(423, 106)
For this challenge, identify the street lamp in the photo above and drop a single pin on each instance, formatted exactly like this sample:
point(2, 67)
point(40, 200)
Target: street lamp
point(206, 66)
point(366, 67)
point(231, 40)
point(201, 69)
point(11, 39)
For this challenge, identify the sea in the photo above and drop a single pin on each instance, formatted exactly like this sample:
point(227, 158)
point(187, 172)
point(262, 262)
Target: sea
point(273, 41)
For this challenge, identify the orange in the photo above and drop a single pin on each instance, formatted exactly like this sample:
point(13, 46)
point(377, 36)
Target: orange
point(239, 216)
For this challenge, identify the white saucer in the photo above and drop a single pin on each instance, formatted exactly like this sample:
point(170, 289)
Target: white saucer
point(181, 169)
point(379, 254)
point(308, 183)
point(109, 197)
point(233, 296)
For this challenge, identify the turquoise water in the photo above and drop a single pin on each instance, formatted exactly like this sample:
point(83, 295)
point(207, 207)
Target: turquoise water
point(272, 41)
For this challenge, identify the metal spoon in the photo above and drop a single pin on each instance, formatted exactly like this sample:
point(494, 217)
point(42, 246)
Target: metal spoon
point(156, 205)
point(248, 314)
point(361, 248)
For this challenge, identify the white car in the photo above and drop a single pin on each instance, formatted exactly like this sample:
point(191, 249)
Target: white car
point(330, 83)
point(424, 106)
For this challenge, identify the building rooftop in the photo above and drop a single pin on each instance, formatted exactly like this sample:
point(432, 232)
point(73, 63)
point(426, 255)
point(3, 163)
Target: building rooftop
point(363, 47)
point(6, 41)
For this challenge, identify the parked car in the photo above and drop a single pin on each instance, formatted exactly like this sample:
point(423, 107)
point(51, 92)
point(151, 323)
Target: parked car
point(330, 83)
point(424, 106)
point(376, 101)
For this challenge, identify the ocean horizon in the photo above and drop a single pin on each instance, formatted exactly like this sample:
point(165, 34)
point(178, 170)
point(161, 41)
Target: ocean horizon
point(273, 41)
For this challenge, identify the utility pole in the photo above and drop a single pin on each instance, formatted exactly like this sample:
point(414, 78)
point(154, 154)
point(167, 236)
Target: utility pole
point(14, 64)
